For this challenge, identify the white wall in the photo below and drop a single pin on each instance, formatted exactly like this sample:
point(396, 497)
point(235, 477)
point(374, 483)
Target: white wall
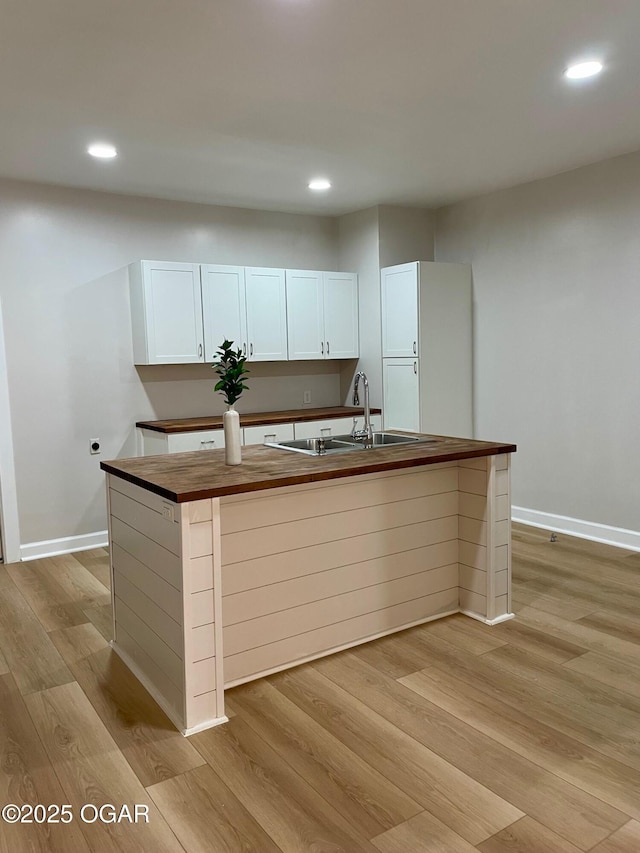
point(68, 340)
point(406, 234)
point(556, 277)
point(358, 251)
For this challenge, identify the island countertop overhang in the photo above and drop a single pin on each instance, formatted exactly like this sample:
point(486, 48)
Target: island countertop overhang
point(183, 477)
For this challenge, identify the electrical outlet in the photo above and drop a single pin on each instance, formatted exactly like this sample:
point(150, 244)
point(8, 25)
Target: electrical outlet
point(94, 445)
point(306, 398)
point(167, 511)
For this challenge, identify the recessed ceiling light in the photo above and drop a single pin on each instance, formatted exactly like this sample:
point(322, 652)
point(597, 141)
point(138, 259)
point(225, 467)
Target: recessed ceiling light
point(319, 184)
point(583, 69)
point(102, 150)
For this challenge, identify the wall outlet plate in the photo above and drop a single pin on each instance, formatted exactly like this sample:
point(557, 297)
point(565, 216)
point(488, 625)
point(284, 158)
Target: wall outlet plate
point(94, 446)
point(306, 398)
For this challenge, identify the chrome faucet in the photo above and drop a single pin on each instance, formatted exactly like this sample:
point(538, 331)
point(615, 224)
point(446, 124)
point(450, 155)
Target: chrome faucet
point(366, 433)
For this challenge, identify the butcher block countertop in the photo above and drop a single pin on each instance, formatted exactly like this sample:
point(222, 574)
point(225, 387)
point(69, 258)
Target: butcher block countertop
point(182, 477)
point(255, 419)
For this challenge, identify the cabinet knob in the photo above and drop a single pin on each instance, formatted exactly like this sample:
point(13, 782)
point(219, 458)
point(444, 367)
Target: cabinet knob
point(415, 367)
point(200, 351)
point(322, 347)
point(244, 348)
point(328, 350)
point(250, 349)
point(414, 347)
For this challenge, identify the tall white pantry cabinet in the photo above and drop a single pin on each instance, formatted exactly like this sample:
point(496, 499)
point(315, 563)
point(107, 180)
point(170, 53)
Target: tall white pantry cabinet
point(427, 348)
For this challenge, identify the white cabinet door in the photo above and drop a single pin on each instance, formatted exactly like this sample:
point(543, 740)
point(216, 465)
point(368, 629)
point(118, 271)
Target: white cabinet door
point(305, 314)
point(268, 432)
point(401, 394)
point(399, 290)
point(341, 315)
point(166, 313)
point(266, 314)
point(223, 307)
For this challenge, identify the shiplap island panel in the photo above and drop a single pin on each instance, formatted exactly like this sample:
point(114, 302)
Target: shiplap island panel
point(224, 575)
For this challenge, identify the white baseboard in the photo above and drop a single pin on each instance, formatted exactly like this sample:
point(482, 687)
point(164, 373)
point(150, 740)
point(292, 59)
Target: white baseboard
point(479, 618)
point(618, 536)
point(66, 545)
point(159, 698)
point(201, 727)
point(335, 649)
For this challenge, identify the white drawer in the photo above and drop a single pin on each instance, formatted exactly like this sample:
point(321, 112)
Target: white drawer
point(314, 429)
point(333, 426)
point(258, 434)
point(210, 439)
point(376, 422)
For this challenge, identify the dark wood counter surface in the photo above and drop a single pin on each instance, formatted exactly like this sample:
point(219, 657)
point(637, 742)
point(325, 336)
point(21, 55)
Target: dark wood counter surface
point(202, 474)
point(255, 419)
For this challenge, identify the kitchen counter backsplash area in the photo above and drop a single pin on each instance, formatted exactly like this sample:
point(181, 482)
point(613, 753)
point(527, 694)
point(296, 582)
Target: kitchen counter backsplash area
point(186, 390)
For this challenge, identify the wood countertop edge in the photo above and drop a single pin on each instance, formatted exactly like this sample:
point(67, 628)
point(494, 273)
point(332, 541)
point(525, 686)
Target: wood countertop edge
point(306, 477)
point(171, 426)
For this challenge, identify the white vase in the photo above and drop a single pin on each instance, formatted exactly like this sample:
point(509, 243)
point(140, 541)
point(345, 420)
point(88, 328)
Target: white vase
point(232, 446)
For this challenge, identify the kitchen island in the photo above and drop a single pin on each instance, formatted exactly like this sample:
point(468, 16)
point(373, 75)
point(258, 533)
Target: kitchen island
point(224, 574)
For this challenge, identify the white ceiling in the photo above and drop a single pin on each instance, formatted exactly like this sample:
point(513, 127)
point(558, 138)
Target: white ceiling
point(241, 102)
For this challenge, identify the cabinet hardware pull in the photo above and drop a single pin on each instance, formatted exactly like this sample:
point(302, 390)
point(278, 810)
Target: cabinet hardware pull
point(414, 347)
point(250, 349)
point(328, 350)
point(244, 348)
point(322, 347)
point(415, 367)
point(200, 351)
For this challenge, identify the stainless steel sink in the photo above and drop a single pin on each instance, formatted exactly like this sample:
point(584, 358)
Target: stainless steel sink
point(384, 438)
point(316, 446)
point(345, 443)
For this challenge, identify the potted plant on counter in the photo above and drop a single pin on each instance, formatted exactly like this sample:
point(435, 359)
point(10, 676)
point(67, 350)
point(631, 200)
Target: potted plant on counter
point(230, 368)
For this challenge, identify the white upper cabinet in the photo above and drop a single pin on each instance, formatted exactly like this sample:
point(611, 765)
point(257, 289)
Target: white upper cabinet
point(399, 289)
point(322, 314)
point(266, 314)
point(166, 313)
point(305, 314)
point(223, 307)
point(341, 315)
point(181, 313)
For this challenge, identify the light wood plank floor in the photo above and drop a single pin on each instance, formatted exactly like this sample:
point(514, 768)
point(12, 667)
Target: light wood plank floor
point(448, 738)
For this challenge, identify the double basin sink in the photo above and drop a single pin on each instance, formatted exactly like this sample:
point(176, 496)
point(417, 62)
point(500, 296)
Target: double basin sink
point(345, 443)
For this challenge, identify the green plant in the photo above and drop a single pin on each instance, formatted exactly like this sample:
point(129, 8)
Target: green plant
point(231, 370)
